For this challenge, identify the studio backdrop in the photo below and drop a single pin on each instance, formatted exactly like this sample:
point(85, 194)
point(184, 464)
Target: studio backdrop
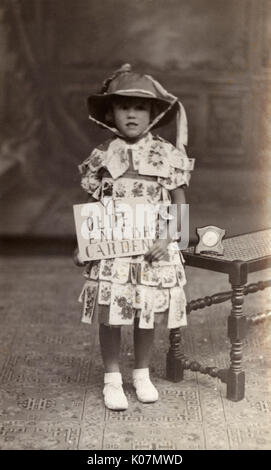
point(214, 55)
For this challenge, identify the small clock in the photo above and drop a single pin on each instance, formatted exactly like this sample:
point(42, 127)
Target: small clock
point(210, 240)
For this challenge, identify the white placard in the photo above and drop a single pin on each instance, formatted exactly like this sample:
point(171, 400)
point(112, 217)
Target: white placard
point(110, 229)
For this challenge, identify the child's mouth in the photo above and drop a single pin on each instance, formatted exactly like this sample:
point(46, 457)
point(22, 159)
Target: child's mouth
point(131, 124)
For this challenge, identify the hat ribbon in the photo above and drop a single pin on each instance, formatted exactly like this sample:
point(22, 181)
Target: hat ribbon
point(181, 120)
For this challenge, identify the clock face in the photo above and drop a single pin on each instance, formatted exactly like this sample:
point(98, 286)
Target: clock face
point(210, 238)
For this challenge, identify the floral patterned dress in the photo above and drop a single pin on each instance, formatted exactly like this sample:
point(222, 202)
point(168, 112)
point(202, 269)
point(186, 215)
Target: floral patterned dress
point(120, 289)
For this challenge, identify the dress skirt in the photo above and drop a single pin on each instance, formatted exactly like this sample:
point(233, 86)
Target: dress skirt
point(117, 291)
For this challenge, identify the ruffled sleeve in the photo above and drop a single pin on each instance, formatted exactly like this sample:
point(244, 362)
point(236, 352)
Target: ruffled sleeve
point(180, 167)
point(90, 172)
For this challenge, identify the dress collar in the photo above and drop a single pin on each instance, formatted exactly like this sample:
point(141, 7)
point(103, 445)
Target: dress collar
point(117, 159)
point(151, 155)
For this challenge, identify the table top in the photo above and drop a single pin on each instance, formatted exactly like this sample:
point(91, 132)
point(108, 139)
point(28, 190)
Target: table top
point(254, 249)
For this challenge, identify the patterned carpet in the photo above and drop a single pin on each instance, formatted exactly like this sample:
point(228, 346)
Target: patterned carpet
point(51, 372)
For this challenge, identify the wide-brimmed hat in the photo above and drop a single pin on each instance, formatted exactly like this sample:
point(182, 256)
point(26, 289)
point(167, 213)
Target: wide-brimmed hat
point(124, 82)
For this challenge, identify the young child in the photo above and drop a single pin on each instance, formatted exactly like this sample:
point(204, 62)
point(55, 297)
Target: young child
point(144, 289)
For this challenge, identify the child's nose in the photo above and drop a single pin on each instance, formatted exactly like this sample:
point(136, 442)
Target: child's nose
point(131, 111)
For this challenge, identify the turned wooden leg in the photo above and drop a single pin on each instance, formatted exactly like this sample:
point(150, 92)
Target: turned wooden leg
point(236, 333)
point(175, 356)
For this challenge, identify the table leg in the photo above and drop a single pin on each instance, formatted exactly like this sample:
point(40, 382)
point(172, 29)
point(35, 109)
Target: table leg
point(175, 356)
point(236, 333)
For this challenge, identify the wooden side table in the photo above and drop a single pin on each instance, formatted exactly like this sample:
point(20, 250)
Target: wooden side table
point(243, 254)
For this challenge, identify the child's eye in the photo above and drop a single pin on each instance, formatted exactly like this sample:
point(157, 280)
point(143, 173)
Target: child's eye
point(121, 107)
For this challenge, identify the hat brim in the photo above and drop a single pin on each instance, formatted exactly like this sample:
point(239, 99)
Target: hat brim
point(98, 106)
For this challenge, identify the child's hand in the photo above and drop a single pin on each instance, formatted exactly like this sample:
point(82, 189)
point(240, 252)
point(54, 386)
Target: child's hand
point(77, 258)
point(157, 251)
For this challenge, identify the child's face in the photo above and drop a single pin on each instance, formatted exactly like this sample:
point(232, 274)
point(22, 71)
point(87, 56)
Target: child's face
point(131, 116)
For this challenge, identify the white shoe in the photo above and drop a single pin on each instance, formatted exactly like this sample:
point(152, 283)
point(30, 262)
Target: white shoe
point(114, 397)
point(145, 390)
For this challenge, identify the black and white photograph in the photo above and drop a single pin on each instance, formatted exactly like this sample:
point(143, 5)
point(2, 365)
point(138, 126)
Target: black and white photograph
point(135, 228)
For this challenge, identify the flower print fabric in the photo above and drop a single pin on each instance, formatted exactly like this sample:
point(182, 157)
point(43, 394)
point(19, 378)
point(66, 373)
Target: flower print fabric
point(151, 156)
point(104, 295)
point(118, 290)
point(121, 307)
